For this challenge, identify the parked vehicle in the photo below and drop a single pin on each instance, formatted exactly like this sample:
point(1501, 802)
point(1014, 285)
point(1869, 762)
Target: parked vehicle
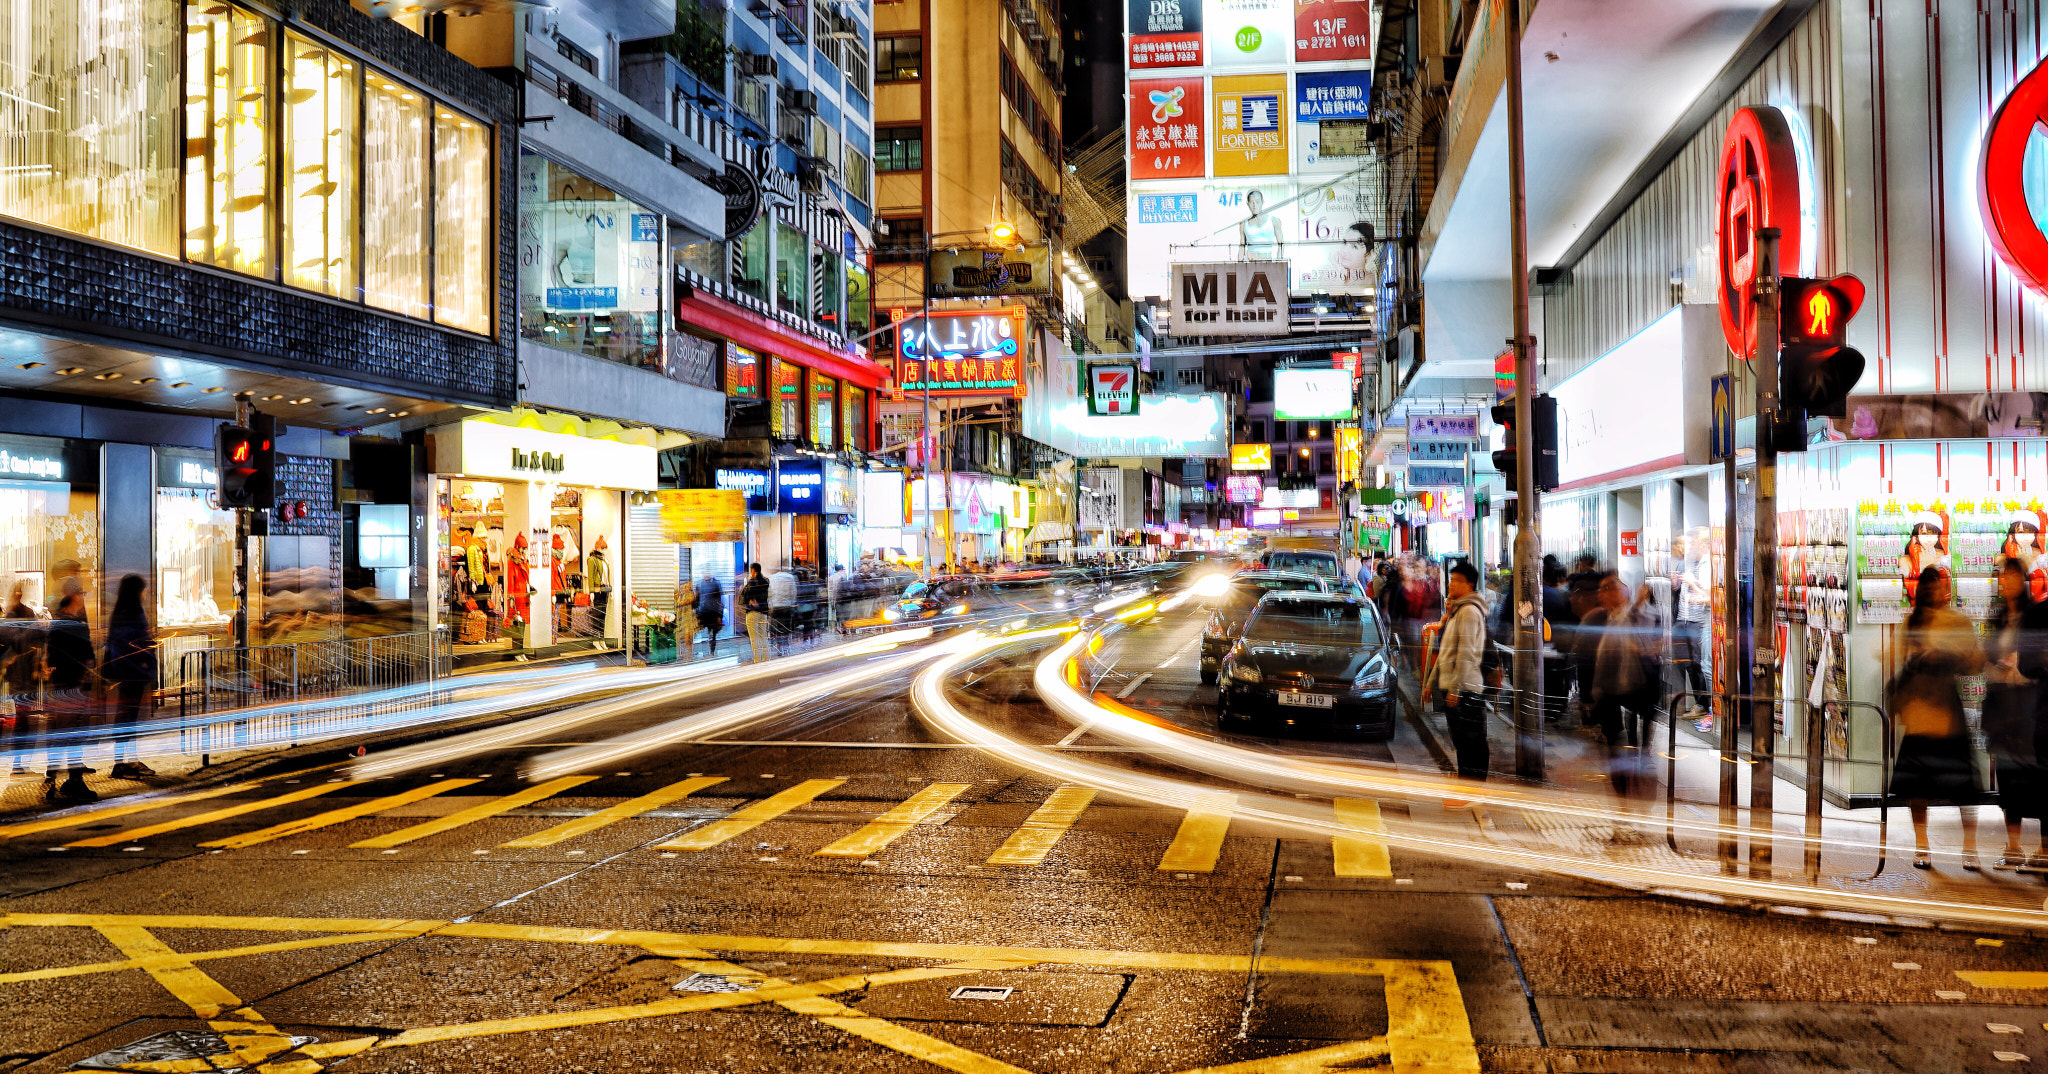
point(1314, 661)
point(1239, 598)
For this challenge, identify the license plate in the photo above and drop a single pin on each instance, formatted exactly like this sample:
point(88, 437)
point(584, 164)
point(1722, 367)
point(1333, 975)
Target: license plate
point(1306, 701)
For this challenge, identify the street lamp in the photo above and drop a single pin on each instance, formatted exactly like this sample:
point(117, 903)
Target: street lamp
point(1003, 233)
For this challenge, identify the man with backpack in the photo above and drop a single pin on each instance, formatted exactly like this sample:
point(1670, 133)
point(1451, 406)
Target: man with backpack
point(1461, 651)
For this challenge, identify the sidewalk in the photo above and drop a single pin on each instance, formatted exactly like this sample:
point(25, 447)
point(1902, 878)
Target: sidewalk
point(1861, 852)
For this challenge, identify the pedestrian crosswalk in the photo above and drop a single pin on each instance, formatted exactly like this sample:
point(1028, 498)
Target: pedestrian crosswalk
point(1359, 849)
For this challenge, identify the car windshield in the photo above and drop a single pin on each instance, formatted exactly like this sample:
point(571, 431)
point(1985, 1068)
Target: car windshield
point(1311, 562)
point(1244, 595)
point(916, 590)
point(1319, 622)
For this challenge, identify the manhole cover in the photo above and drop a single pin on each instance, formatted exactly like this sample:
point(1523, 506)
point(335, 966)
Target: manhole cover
point(179, 1046)
point(716, 982)
point(982, 992)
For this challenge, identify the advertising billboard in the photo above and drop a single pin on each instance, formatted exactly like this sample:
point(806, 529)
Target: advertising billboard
point(1248, 33)
point(1251, 457)
point(1164, 33)
point(1264, 517)
point(1332, 30)
point(1113, 388)
point(963, 352)
point(1242, 488)
point(1313, 394)
point(1299, 499)
point(1166, 424)
point(881, 499)
point(1251, 130)
point(1230, 298)
point(1249, 219)
point(1166, 129)
point(1026, 270)
point(692, 515)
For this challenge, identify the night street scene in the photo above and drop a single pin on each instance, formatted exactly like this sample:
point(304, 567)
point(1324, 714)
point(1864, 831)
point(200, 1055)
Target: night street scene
point(1024, 536)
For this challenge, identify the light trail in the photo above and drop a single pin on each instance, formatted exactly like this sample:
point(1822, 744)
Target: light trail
point(1266, 811)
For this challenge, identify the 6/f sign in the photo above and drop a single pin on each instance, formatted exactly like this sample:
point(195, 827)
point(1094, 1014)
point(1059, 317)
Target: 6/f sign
point(1113, 389)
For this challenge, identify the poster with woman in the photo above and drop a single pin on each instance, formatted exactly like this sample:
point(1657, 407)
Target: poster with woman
point(2025, 541)
point(1926, 546)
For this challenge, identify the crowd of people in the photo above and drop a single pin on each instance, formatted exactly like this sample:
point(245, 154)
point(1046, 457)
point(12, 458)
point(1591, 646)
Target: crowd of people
point(53, 684)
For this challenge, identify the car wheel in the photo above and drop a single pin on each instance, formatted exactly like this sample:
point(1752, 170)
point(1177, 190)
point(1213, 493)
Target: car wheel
point(1208, 678)
point(1227, 720)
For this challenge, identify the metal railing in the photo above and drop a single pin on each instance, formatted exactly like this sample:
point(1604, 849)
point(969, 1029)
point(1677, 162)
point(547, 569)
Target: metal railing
point(277, 679)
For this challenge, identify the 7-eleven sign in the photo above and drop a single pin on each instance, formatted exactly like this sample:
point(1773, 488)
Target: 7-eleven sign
point(1113, 389)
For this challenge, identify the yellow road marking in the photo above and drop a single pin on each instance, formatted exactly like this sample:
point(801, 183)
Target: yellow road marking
point(1310, 1062)
point(1361, 854)
point(1199, 842)
point(1426, 1025)
point(200, 956)
point(890, 826)
point(2004, 978)
point(336, 816)
point(1030, 844)
point(248, 1035)
point(622, 811)
point(109, 812)
point(198, 819)
point(471, 815)
point(760, 812)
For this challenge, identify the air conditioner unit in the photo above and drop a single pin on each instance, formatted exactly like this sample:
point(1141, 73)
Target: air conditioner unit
point(752, 66)
point(804, 101)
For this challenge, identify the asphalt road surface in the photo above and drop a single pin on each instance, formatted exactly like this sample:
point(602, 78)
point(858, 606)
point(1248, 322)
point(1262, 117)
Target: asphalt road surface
point(833, 889)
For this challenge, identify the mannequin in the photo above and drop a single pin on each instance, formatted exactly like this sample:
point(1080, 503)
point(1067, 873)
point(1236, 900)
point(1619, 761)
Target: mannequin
point(597, 581)
point(518, 580)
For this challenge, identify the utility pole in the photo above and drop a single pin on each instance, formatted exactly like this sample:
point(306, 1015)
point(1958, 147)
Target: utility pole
point(1763, 717)
point(1728, 844)
point(1528, 594)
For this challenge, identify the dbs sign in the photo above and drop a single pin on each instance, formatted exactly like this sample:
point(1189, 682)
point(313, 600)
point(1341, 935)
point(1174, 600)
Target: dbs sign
point(2002, 196)
point(1759, 187)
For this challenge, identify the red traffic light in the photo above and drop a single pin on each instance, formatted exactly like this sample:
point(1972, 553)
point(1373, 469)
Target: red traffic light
point(1817, 312)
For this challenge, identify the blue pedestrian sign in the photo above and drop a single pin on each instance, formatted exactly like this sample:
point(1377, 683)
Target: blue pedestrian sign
point(1724, 416)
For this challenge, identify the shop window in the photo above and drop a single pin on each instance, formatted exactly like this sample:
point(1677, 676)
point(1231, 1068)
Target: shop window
point(394, 197)
point(899, 59)
point(227, 120)
point(750, 261)
point(830, 274)
point(322, 108)
point(792, 270)
point(49, 538)
point(195, 562)
point(824, 410)
point(590, 279)
point(785, 410)
point(89, 145)
point(856, 438)
point(742, 373)
point(899, 149)
point(462, 222)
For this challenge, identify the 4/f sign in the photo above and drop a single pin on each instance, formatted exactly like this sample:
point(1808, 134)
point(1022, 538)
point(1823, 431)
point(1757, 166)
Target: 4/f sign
point(1113, 389)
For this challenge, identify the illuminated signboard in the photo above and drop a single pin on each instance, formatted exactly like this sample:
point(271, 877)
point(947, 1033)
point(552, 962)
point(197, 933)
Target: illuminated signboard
point(1311, 394)
point(1265, 517)
point(752, 482)
point(1113, 388)
point(742, 373)
point(799, 488)
point(1251, 456)
point(969, 352)
point(1308, 498)
point(1166, 129)
point(1443, 426)
point(1241, 488)
point(1165, 33)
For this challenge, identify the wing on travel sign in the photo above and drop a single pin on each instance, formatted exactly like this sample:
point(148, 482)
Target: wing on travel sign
point(1165, 33)
point(1166, 129)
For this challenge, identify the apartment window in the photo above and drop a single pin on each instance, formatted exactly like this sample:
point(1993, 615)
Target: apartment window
point(227, 98)
point(1326, 464)
point(394, 197)
point(856, 174)
point(904, 241)
point(899, 59)
point(575, 55)
point(899, 149)
point(824, 141)
point(323, 137)
point(87, 144)
point(1258, 432)
point(752, 97)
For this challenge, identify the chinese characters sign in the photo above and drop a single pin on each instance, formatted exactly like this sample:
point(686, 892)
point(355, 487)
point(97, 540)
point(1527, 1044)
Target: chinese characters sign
point(1166, 128)
point(1332, 30)
point(1331, 94)
point(970, 352)
point(1165, 33)
point(1443, 426)
point(1251, 135)
point(742, 373)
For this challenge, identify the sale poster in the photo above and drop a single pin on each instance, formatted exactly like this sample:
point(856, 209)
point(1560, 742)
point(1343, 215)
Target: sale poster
point(1332, 30)
point(1166, 128)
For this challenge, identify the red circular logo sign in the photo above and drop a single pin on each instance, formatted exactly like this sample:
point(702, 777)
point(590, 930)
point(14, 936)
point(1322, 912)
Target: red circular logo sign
point(2001, 185)
point(1759, 188)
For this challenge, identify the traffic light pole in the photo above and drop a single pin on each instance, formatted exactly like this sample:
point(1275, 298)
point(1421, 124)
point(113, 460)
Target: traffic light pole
point(244, 412)
point(1764, 555)
point(1528, 594)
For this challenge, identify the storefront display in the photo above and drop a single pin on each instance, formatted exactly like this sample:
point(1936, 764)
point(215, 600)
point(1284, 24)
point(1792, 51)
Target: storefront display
point(49, 528)
point(195, 562)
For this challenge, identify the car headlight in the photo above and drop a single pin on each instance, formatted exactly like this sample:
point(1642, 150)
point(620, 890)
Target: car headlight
point(1245, 674)
point(1214, 629)
point(1373, 676)
point(892, 612)
point(957, 609)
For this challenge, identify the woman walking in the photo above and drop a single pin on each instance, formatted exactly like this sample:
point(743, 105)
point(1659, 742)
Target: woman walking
point(70, 707)
point(2012, 666)
point(1934, 762)
point(129, 669)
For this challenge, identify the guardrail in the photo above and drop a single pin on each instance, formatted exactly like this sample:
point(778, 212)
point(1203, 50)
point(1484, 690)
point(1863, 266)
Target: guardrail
point(282, 676)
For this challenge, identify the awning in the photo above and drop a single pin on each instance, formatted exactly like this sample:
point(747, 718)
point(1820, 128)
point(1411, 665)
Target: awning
point(762, 334)
point(1047, 532)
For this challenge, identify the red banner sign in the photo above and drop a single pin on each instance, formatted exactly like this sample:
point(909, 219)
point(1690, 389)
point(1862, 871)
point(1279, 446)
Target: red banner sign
point(1332, 30)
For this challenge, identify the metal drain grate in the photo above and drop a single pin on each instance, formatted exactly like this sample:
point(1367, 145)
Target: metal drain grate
point(985, 992)
point(716, 982)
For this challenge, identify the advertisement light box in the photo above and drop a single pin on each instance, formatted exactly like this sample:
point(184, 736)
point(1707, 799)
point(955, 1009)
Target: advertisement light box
point(1312, 394)
point(1251, 457)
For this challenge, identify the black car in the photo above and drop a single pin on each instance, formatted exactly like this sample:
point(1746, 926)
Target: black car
point(1313, 661)
point(1236, 605)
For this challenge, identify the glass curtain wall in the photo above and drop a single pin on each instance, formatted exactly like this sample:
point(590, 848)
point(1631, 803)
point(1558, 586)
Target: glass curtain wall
point(88, 120)
point(227, 126)
point(462, 221)
point(322, 131)
point(395, 198)
point(750, 261)
point(792, 271)
point(590, 270)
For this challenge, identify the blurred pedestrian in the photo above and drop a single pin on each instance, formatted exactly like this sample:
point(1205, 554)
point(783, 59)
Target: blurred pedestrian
point(1690, 639)
point(1460, 653)
point(782, 601)
point(686, 620)
point(1934, 761)
point(69, 707)
point(21, 670)
point(2013, 655)
point(1652, 627)
point(711, 607)
point(1559, 623)
point(1624, 690)
point(753, 599)
point(129, 668)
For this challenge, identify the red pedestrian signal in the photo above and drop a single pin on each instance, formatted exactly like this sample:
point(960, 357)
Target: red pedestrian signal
point(245, 461)
point(1822, 309)
point(1816, 368)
